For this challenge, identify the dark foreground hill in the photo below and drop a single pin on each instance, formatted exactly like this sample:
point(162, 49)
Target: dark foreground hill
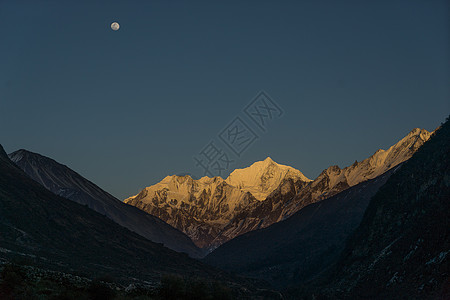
point(302, 246)
point(65, 182)
point(55, 233)
point(401, 250)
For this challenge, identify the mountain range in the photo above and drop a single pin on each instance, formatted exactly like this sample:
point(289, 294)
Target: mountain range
point(384, 238)
point(378, 229)
point(202, 208)
point(212, 211)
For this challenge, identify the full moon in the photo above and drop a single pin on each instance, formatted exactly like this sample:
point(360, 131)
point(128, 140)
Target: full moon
point(115, 26)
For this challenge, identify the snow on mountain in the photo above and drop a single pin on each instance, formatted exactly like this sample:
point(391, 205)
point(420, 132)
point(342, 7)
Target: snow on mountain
point(383, 160)
point(263, 177)
point(202, 208)
point(299, 247)
point(334, 179)
point(212, 210)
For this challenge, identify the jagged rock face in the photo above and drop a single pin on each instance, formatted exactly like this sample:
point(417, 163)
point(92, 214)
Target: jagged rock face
point(262, 213)
point(212, 210)
point(334, 179)
point(197, 207)
point(297, 249)
point(203, 208)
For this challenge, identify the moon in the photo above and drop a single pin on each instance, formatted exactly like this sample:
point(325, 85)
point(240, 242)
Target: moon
point(115, 26)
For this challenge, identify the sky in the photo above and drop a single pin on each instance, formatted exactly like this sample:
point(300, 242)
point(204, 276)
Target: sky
point(126, 108)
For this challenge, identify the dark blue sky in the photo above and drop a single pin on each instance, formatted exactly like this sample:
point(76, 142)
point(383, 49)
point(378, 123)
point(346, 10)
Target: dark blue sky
point(127, 108)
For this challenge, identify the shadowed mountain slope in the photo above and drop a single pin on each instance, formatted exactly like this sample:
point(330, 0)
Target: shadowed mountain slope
point(60, 234)
point(401, 250)
point(302, 246)
point(64, 182)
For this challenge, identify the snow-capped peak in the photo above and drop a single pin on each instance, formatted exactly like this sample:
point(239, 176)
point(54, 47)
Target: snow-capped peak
point(380, 162)
point(268, 160)
point(213, 210)
point(263, 177)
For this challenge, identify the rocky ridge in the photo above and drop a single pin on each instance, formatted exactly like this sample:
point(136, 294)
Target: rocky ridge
point(212, 210)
